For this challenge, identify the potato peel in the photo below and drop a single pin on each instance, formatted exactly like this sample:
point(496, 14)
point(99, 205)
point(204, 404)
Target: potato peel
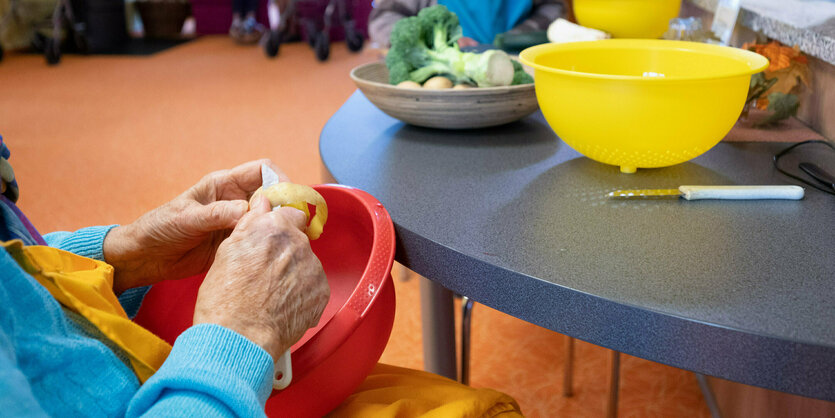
point(298, 196)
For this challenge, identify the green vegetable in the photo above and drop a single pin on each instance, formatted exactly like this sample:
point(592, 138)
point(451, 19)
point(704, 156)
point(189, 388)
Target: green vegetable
point(426, 45)
point(519, 74)
point(782, 105)
point(759, 85)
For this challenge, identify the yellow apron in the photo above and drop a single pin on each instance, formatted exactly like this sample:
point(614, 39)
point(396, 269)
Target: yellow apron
point(85, 286)
point(395, 392)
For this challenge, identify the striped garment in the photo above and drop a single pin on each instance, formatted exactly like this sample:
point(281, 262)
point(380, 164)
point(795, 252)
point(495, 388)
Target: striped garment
point(53, 362)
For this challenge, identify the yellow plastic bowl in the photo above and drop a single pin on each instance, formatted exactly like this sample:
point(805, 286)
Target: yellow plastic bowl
point(641, 103)
point(627, 18)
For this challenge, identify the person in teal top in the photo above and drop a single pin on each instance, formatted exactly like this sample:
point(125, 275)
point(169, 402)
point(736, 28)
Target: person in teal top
point(263, 289)
point(481, 20)
point(55, 362)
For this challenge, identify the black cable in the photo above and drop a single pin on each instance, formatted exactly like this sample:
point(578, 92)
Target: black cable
point(786, 151)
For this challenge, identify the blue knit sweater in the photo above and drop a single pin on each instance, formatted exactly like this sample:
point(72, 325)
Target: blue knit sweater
point(52, 362)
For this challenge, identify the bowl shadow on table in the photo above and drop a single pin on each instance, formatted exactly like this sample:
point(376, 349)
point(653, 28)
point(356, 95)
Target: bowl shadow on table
point(581, 229)
point(472, 151)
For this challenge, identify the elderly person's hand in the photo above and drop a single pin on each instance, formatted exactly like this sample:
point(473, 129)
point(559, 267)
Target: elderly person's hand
point(179, 239)
point(266, 283)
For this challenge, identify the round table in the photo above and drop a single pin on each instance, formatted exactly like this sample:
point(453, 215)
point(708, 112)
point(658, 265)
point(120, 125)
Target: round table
point(515, 219)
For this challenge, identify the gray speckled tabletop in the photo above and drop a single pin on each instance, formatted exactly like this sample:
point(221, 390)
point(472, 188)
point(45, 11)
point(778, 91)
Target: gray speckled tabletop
point(809, 24)
point(517, 220)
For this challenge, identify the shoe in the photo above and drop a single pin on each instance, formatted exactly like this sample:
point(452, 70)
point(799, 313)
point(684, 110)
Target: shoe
point(252, 31)
point(236, 31)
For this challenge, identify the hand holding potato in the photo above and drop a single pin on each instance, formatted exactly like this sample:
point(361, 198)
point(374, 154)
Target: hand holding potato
point(179, 239)
point(265, 283)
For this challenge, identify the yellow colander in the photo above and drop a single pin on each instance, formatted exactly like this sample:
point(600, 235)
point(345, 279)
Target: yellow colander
point(641, 103)
point(627, 18)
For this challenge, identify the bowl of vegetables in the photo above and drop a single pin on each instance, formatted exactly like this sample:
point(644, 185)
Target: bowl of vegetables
point(427, 80)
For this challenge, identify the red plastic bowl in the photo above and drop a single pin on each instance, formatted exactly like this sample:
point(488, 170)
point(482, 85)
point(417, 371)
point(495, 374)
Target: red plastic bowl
point(331, 360)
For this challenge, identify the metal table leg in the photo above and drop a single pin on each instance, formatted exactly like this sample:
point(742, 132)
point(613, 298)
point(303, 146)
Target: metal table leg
point(466, 322)
point(438, 320)
point(568, 373)
point(707, 392)
point(614, 386)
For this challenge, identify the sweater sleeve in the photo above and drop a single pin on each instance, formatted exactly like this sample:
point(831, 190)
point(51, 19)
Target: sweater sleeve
point(86, 242)
point(89, 242)
point(388, 12)
point(211, 371)
point(543, 13)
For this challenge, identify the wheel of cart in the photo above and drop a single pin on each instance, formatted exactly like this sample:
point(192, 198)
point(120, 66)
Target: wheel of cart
point(51, 26)
point(278, 27)
point(318, 39)
point(353, 37)
point(323, 46)
point(52, 51)
point(273, 43)
point(63, 21)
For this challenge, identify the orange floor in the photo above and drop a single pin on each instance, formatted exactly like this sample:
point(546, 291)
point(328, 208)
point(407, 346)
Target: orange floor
point(102, 139)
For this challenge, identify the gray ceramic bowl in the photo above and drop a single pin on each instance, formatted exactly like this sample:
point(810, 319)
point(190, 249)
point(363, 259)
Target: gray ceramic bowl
point(477, 107)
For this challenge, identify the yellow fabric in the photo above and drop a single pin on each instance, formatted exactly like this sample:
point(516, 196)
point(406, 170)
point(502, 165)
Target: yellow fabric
point(85, 286)
point(396, 392)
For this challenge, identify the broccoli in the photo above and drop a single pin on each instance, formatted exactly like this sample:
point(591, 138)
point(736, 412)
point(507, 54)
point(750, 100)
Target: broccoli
point(519, 75)
point(440, 27)
point(426, 45)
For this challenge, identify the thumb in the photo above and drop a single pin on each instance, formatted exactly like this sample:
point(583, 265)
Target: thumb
point(259, 205)
point(222, 214)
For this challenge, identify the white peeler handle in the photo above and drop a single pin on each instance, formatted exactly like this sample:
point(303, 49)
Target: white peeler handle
point(741, 192)
point(283, 368)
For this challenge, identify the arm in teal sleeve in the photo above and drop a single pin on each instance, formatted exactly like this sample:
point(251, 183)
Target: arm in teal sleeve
point(89, 242)
point(211, 371)
point(86, 242)
point(544, 12)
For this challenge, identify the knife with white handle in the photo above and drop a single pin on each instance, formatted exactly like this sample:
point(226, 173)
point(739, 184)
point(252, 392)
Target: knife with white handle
point(284, 365)
point(715, 192)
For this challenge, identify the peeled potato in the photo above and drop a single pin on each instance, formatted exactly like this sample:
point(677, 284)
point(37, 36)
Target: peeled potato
point(298, 196)
point(437, 83)
point(408, 84)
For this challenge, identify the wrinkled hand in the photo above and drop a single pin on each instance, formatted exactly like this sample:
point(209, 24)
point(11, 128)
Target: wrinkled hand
point(266, 283)
point(179, 239)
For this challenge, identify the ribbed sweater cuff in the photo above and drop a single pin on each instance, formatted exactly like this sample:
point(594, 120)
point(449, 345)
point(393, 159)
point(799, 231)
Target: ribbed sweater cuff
point(208, 366)
point(86, 242)
point(131, 300)
point(215, 351)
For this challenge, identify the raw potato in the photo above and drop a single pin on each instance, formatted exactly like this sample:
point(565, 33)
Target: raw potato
point(462, 86)
point(408, 84)
point(437, 83)
point(298, 196)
